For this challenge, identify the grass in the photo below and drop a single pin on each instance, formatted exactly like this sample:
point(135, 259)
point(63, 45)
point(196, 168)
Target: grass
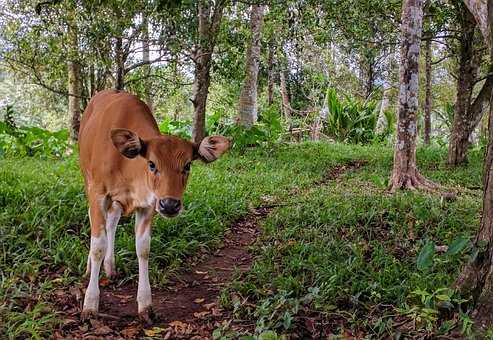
point(347, 252)
point(344, 248)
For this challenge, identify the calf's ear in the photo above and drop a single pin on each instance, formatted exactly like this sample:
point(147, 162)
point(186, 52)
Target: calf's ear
point(128, 143)
point(211, 148)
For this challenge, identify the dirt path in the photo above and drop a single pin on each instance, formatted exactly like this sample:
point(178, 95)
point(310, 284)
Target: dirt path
point(188, 307)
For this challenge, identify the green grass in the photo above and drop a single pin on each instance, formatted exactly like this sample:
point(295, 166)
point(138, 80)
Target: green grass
point(347, 251)
point(345, 241)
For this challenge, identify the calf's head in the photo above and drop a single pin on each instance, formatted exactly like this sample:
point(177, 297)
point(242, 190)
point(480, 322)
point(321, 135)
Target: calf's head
point(168, 161)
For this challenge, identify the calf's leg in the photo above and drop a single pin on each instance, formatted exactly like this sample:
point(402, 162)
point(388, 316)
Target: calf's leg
point(96, 254)
point(112, 217)
point(143, 220)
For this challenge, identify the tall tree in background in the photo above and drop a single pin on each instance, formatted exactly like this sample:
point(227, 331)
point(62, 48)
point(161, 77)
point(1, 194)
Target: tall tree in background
point(405, 174)
point(248, 97)
point(477, 276)
point(146, 59)
point(209, 19)
point(74, 76)
point(428, 77)
point(270, 74)
point(467, 109)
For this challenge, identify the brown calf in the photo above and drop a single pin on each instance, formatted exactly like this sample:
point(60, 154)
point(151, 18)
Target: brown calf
point(129, 166)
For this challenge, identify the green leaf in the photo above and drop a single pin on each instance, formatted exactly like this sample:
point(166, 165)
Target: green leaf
point(457, 245)
point(425, 257)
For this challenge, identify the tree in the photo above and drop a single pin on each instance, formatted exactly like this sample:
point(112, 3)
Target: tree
point(74, 76)
point(248, 96)
point(270, 74)
point(467, 110)
point(286, 106)
point(209, 17)
point(428, 76)
point(146, 59)
point(476, 278)
point(479, 10)
point(405, 174)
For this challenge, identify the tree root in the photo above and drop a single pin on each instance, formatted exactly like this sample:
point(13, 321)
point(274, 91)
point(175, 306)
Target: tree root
point(412, 181)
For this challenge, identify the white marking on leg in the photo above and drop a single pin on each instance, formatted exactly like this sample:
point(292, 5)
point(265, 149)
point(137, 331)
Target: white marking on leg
point(112, 219)
point(142, 246)
point(96, 253)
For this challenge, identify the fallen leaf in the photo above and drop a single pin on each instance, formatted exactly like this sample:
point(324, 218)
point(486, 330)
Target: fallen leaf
point(216, 311)
point(104, 281)
point(103, 330)
point(199, 300)
point(130, 332)
point(96, 323)
point(179, 326)
point(153, 331)
point(69, 321)
point(209, 305)
point(200, 315)
point(200, 273)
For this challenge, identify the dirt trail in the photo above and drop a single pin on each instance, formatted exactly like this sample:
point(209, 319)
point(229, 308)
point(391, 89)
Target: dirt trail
point(188, 307)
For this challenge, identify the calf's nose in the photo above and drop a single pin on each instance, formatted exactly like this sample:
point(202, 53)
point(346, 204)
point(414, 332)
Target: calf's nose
point(169, 206)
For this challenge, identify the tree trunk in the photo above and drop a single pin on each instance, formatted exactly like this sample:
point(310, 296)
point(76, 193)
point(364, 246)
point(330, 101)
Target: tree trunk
point(248, 96)
point(145, 59)
point(270, 75)
point(405, 174)
point(92, 81)
point(74, 78)
point(479, 9)
point(120, 65)
point(463, 124)
point(318, 124)
point(428, 98)
point(476, 278)
point(370, 79)
point(286, 106)
point(74, 98)
point(209, 20)
point(384, 105)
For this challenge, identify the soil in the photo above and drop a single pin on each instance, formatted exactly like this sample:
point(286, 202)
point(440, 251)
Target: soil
point(188, 307)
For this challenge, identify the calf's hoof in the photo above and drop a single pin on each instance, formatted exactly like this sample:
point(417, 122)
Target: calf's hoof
point(88, 314)
point(147, 316)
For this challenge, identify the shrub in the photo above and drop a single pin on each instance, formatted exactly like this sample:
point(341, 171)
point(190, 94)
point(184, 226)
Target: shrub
point(268, 129)
point(30, 141)
point(350, 120)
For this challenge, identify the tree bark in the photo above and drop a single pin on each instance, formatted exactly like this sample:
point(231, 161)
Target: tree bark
point(405, 174)
point(74, 78)
point(270, 75)
point(286, 106)
point(248, 97)
point(209, 19)
point(468, 112)
point(479, 9)
point(428, 98)
point(92, 80)
point(120, 65)
point(384, 105)
point(476, 278)
point(370, 79)
point(318, 124)
point(145, 59)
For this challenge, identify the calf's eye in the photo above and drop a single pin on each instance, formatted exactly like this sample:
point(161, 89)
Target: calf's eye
point(152, 166)
point(186, 169)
